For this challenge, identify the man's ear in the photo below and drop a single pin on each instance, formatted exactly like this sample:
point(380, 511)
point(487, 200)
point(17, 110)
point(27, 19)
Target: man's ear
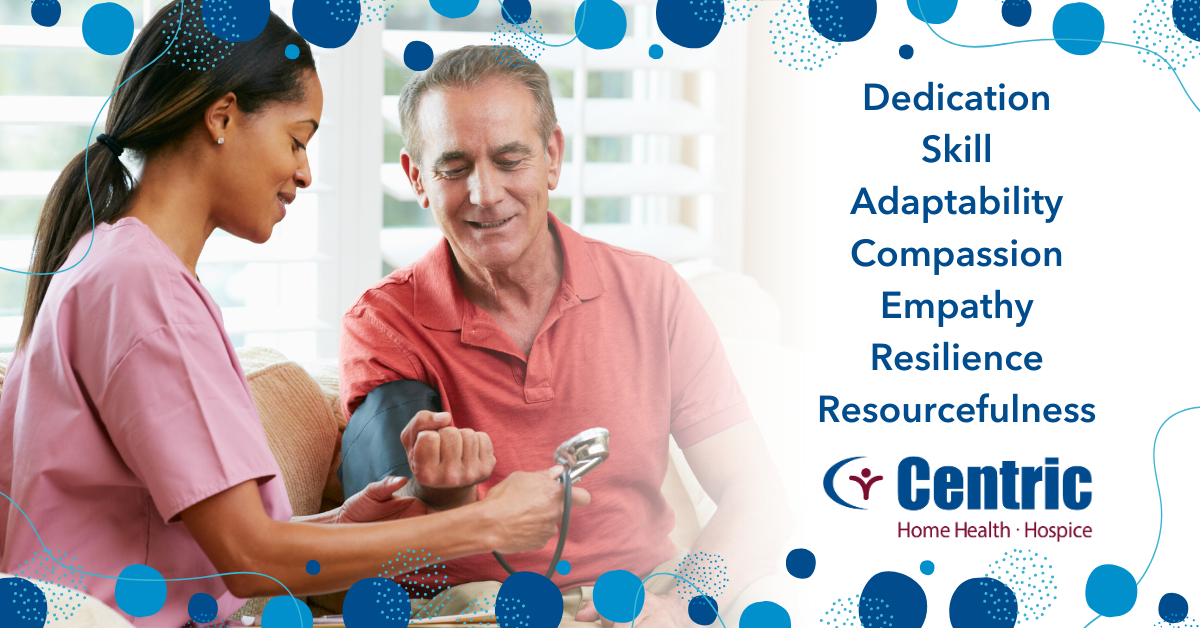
point(413, 172)
point(554, 153)
point(219, 115)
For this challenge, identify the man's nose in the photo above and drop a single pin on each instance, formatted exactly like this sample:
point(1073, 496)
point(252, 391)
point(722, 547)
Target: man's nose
point(486, 185)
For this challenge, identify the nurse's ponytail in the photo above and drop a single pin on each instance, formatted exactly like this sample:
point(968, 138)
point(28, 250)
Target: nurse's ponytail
point(161, 99)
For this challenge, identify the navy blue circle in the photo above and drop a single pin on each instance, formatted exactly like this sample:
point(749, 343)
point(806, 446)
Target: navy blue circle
point(1186, 15)
point(418, 56)
point(1173, 608)
point(801, 563)
point(202, 608)
point(906, 51)
point(46, 12)
point(516, 11)
point(236, 20)
point(1016, 12)
point(842, 20)
point(703, 610)
point(690, 23)
point(312, 567)
point(376, 603)
point(892, 600)
point(22, 604)
point(528, 600)
point(983, 603)
point(326, 23)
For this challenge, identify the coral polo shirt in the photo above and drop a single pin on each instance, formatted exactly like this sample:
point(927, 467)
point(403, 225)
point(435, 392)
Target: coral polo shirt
point(625, 346)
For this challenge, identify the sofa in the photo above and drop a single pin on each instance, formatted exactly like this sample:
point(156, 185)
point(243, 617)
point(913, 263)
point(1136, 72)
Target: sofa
point(300, 409)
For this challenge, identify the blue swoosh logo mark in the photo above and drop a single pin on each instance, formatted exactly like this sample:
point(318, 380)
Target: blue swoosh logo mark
point(829, 477)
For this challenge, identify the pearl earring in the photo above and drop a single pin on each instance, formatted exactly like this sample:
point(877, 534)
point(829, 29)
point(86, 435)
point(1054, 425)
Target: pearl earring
point(220, 140)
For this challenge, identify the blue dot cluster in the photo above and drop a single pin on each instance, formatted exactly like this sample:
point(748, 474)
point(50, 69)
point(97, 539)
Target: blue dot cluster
point(417, 572)
point(1187, 623)
point(375, 11)
point(1186, 15)
point(373, 602)
point(794, 40)
point(527, 37)
point(22, 604)
point(738, 10)
point(1153, 28)
point(1028, 574)
point(842, 613)
point(63, 599)
point(707, 571)
point(842, 20)
point(236, 20)
point(196, 48)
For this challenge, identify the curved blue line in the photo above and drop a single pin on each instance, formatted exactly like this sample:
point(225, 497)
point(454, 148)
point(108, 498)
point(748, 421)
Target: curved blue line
point(828, 483)
point(1055, 39)
point(677, 576)
point(87, 186)
point(504, 11)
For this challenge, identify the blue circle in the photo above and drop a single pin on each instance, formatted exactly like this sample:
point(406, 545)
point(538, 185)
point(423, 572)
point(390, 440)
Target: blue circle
point(656, 51)
point(376, 603)
point(46, 12)
point(842, 20)
point(906, 51)
point(1111, 590)
point(529, 600)
point(892, 600)
point(202, 608)
point(619, 595)
point(141, 590)
point(765, 615)
point(312, 567)
point(1078, 21)
point(281, 611)
point(703, 610)
point(934, 11)
point(1016, 12)
point(801, 563)
point(563, 568)
point(516, 11)
point(454, 8)
point(22, 604)
point(983, 603)
point(690, 23)
point(1173, 608)
point(1186, 15)
point(418, 56)
point(927, 567)
point(236, 20)
point(326, 23)
point(108, 28)
point(600, 24)
point(292, 51)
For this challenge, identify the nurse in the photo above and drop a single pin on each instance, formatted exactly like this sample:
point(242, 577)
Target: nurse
point(128, 434)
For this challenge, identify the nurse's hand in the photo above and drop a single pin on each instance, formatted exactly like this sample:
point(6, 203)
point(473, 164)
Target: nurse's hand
point(526, 508)
point(380, 501)
point(447, 462)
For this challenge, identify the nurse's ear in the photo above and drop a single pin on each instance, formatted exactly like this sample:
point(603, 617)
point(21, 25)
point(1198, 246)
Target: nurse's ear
point(219, 116)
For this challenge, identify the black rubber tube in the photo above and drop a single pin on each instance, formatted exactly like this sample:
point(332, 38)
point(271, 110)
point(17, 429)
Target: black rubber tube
point(562, 532)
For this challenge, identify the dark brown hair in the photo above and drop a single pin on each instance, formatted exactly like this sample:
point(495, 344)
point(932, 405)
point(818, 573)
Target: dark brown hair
point(159, 100)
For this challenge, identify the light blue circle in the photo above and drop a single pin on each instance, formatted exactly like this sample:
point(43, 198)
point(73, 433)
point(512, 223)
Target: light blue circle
point(141, 590)
point(765, 615)
point(281, 613)
point(563, 568)
point(108, 29)
point(600, 24)
point(292, 51)
point(935, 11)
point(454, 8)
point(619, 594)
point(1078, 21)
point(927, 567)
point(656, 51)
point(1111, 591)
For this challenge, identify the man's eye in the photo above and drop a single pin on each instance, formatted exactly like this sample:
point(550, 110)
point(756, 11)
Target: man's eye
point(508, 164)
point(450, 174)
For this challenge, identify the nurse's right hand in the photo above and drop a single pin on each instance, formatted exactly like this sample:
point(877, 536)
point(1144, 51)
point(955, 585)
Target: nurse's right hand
point(526, 509)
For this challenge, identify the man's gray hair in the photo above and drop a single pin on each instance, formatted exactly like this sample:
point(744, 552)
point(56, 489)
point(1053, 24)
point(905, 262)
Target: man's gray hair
point(468, 67)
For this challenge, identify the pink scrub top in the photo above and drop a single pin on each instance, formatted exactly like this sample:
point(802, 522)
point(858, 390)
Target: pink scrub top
point(126, 406)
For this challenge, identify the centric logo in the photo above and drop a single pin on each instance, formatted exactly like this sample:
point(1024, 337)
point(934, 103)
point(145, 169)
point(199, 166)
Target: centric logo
point(865, 480)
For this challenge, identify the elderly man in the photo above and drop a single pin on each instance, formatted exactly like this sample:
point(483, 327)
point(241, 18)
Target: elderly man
point(531, 333)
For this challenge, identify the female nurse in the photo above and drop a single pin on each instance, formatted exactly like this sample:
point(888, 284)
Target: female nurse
point(128, 434)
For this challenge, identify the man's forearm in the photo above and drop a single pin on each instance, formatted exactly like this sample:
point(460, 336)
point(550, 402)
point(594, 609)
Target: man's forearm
point(441, 498)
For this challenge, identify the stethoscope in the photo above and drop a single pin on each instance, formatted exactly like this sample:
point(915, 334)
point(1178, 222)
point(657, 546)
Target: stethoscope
point(579, 455)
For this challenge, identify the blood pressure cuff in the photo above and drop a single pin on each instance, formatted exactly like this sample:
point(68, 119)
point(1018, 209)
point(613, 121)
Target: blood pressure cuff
point(371, 446)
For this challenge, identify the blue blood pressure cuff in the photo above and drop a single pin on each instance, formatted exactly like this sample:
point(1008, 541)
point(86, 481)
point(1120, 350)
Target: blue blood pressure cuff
point(371, 446)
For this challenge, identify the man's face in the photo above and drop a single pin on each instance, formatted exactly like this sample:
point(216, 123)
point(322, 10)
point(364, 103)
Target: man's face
point(486, 176)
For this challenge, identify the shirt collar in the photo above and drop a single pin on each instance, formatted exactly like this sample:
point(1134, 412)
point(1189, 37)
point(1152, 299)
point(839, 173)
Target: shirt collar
point(439, 302)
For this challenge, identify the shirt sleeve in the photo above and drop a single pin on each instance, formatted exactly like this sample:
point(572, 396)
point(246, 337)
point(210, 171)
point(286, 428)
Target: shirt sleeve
point(370, 354)
point(705, 396)
point(182, 417)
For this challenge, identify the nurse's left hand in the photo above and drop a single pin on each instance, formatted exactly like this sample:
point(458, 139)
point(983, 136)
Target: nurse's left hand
point(379, 502)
